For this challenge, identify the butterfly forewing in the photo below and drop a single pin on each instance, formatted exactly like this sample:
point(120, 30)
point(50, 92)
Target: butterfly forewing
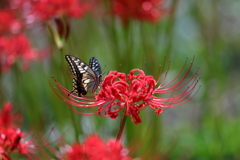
point(78, 66)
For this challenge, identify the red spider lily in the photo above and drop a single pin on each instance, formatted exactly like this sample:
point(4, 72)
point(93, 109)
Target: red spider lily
point(145, 10)
point(12, 139)
point(9, 22)
point(133, 93)
point(14, 47)
point(95, 148)
point(44, 10)
point(6, 118)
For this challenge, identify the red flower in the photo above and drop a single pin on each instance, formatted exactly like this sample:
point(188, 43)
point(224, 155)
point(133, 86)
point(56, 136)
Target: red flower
point(133, 93)
point(46, 9)
point(11, 137)
point(6, 118)
point(94, 148)
point(9, 22)
point(14, 47)
point(12, 140)
point(145, 10)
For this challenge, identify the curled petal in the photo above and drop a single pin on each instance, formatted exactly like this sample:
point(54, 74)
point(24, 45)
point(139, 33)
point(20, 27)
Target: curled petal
point(159, 111)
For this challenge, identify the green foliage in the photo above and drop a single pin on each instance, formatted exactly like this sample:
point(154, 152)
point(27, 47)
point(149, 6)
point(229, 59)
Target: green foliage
point(205, 128)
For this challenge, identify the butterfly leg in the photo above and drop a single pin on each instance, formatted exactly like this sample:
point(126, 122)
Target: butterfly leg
point(71, 92)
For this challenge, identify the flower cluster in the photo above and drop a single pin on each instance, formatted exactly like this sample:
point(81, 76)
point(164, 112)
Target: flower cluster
point(145, 10)
point(14, 44)
point(7, 118)
point(16, 47)
point(55, 13)
point(133, 93)
point(12, 139)
point(44, 10)
point(95, 148)
point(9, 22)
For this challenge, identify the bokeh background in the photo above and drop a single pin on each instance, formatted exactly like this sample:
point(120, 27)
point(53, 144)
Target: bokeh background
point(207, 127)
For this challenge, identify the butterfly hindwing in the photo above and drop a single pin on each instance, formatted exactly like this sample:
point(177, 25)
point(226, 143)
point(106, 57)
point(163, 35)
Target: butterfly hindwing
point(95, 65)
point(86, 79)
point(78, 87)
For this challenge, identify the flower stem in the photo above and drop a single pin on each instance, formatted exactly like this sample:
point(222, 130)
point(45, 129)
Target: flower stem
point(74, 124)
point(170, 28)
point(122, 124)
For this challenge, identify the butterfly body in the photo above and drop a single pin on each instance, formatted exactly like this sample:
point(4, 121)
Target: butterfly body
point(86, 77)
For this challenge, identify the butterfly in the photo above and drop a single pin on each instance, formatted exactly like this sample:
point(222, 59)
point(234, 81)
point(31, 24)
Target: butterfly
point(86, 77)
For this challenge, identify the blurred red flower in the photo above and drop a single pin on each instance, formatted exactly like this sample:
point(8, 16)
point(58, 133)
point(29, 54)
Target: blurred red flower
point(95, 148)
point(133, 93)
point(9, 22)
point(11, 137)
point(12, 140)
point(44, 10)
point(144, 10)
point(7, 119)
point(14, 47)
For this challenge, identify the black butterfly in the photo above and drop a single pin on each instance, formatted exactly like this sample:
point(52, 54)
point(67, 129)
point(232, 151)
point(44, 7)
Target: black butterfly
point(87, 78)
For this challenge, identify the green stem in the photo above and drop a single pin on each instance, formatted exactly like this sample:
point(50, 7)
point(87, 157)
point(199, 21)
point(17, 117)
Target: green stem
point(128, 48)
point(170, 28)
point(74, 124)
point(122, 124)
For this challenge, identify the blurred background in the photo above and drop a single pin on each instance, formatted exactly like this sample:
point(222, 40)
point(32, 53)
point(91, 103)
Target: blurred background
point(121, 39)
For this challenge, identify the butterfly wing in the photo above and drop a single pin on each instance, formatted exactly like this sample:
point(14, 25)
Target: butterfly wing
point(78, 86)
point(83, 73)
point(95, 65)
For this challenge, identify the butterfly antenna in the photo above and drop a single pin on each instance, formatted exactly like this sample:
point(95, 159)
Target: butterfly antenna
point(70, 92)
point(104, 72)
point(104, 66)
